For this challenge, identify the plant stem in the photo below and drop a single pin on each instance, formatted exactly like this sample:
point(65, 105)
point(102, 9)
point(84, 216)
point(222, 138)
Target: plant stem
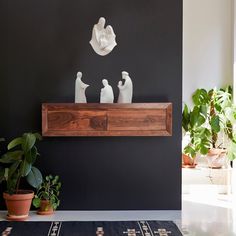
point(17, 185)
point(214, 136)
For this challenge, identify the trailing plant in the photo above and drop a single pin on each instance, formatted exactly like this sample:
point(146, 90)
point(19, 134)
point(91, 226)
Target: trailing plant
point(212, 115)
point(18, 162)
point(48, 190)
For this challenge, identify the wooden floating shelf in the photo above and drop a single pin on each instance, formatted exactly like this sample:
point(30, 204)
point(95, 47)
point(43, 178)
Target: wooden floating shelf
point(96, 119)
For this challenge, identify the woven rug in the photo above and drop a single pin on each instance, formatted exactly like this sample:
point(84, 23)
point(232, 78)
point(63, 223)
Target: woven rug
point(75, 228)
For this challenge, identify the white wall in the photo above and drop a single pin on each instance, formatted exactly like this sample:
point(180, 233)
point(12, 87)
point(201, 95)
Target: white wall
point(207, 45)
point(234, 20)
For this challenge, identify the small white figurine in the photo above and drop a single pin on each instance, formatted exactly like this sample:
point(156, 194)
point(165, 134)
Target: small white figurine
point(126, 89)
point(106, 95)
point(80, 88)
point(103, 39)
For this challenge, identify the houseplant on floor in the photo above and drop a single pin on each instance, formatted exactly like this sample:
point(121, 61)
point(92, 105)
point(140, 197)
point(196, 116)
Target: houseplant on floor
point(210, 126)
point(18, 163)
point(46, 198)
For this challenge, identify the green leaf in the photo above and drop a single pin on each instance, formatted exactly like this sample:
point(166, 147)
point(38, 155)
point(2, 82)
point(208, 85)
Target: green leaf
point(6, 173)
point(185, 118)
point(203, 110)
point(13, 168)
point(215, 123)
point(25, 168)
point(29, 140)
point(200, 97)
point(12, 183)
point(194, 116)
point(2, 174)
point(223, 99)
point(196, 119)
point(45, 195)
point(218, 107)
point(11, 157)
point(190, 151)
point(38, 136)
point(34, 177)
point(203, 143)
point(232, 151)
point(15, 142)
point(54, 206)
point(31, 155)
point(36, 202)
point(204, 150)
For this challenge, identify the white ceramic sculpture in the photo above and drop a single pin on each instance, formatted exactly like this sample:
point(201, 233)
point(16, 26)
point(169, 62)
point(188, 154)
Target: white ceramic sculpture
point(103, 39)
point(80, 88)
point(106, 95)
point(126, 89)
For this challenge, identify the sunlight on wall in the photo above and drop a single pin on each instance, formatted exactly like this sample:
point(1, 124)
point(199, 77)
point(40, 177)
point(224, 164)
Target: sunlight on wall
point(234, 83)
point(207, 45)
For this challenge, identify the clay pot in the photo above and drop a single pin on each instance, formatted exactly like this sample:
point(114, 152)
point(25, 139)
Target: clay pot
point(216, 158)
point(45, 208)
point(188, 162)
point(18, 205)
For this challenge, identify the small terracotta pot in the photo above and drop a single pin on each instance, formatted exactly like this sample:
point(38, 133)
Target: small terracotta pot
point(188, 162)
point(45, 208)
point(216, 158)
point(18, 205)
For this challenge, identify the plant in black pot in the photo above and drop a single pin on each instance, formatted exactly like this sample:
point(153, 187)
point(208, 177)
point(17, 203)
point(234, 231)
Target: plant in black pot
point(46, 198)
point(210, 126)
point(17, 163)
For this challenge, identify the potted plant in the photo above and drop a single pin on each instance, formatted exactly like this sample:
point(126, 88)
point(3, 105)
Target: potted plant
point(210, 126)
point(46, 198)
point(18, 163)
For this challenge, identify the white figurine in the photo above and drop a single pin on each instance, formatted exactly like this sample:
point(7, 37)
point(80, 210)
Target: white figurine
point(126, 89)
point(107, 95)
point(80, 88)
point(103, 39)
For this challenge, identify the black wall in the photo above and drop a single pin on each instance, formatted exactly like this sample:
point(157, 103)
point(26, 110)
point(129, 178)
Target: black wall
point(43, 45)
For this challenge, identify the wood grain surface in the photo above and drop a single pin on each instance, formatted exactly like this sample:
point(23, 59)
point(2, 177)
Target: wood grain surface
point(95, 119)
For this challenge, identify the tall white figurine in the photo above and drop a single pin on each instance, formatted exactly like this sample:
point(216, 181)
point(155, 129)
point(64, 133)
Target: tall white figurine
point(126, 89)
point(106, 95)
point(80, 88)
point(103, 39)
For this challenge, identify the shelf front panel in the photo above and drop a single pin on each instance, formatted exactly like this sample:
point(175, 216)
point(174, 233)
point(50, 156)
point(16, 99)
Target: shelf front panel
point(136, 119)
point(77, 120)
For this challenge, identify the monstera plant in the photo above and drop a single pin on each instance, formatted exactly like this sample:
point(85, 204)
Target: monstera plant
point(17, 163)
point(210, 125)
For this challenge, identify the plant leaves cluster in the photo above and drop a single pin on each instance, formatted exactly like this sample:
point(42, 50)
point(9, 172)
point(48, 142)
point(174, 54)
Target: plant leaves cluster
point(18, 162)
point(48, 190)
point(213, 113)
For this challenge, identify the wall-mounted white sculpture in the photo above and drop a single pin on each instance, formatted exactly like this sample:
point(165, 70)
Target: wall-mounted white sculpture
point(80, 88)
point(126, 89)
point(107, 95)
point(103, 39)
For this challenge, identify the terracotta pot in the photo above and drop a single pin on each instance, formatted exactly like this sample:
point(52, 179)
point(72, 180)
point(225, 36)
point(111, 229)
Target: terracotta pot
point(188, 162)
point(216, 158)
point(45, 208)
point(18, 205)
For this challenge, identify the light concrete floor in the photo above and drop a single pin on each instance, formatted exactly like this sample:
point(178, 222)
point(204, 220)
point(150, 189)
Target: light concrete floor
point(200, 216)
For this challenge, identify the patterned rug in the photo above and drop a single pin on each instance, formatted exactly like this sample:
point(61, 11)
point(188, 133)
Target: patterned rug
point(75, 228)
